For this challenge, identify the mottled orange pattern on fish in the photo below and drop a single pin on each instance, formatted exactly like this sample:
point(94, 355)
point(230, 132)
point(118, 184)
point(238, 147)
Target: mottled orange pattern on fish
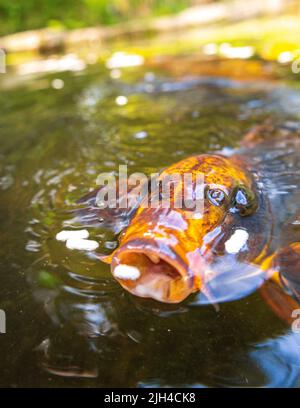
point(171, 249)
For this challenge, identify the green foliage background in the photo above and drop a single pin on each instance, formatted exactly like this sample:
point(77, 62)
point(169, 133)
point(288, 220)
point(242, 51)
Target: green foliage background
point(18, 15)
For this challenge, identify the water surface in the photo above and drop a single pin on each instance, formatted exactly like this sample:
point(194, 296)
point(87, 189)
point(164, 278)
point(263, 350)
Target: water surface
point(68, 322)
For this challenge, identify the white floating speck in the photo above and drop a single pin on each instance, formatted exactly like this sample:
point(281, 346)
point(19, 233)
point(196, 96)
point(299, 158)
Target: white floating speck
point(65, 235)
point(236, 242)
point(128, 272)
point(82, 244)
point(121, 100)
point(57, 83)
point(6, 182)
point(140, 135)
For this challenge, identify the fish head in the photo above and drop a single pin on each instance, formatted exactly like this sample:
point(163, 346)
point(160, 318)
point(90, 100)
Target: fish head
point(169, 252)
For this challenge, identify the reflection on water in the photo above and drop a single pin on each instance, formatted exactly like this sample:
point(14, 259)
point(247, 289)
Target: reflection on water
point(69, 322)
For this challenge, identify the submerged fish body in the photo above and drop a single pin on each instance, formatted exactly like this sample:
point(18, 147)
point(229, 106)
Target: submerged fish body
point(167, 253)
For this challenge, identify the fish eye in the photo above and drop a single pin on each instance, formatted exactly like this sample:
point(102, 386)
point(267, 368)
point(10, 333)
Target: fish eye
point(245, 201)
point(216, 196)
point(242, 197)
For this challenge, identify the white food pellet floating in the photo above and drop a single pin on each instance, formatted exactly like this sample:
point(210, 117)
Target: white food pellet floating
point(65, 235)
point(82, 244)
point(126, 272)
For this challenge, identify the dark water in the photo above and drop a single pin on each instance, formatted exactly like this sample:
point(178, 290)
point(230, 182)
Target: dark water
point(68, 322)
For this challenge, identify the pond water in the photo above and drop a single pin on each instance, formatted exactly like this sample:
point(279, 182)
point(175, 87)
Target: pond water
point(69, 323)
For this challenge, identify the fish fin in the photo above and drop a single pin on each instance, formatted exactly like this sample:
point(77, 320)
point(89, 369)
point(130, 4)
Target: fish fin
point(210, 298)
point(258, 133)
point(114, 217)
point(268, 130)
point(282, 291)
point(278, 300)
point(238, 281)
point(287, 263)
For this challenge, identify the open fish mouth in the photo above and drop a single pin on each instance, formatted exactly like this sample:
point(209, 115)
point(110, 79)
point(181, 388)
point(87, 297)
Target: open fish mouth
point(145, 273)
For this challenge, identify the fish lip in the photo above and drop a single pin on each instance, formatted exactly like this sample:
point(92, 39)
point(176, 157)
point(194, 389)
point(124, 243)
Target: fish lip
point(145, 246)
point(168, 288)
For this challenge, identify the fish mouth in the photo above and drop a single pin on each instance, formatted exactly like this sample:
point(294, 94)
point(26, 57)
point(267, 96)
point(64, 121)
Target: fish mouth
point(150, 273)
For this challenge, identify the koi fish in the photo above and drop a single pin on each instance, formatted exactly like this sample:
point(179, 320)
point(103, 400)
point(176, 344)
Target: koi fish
point(242, 240)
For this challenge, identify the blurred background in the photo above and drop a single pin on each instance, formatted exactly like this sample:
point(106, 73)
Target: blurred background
point(32, 14)
point(269, 28)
